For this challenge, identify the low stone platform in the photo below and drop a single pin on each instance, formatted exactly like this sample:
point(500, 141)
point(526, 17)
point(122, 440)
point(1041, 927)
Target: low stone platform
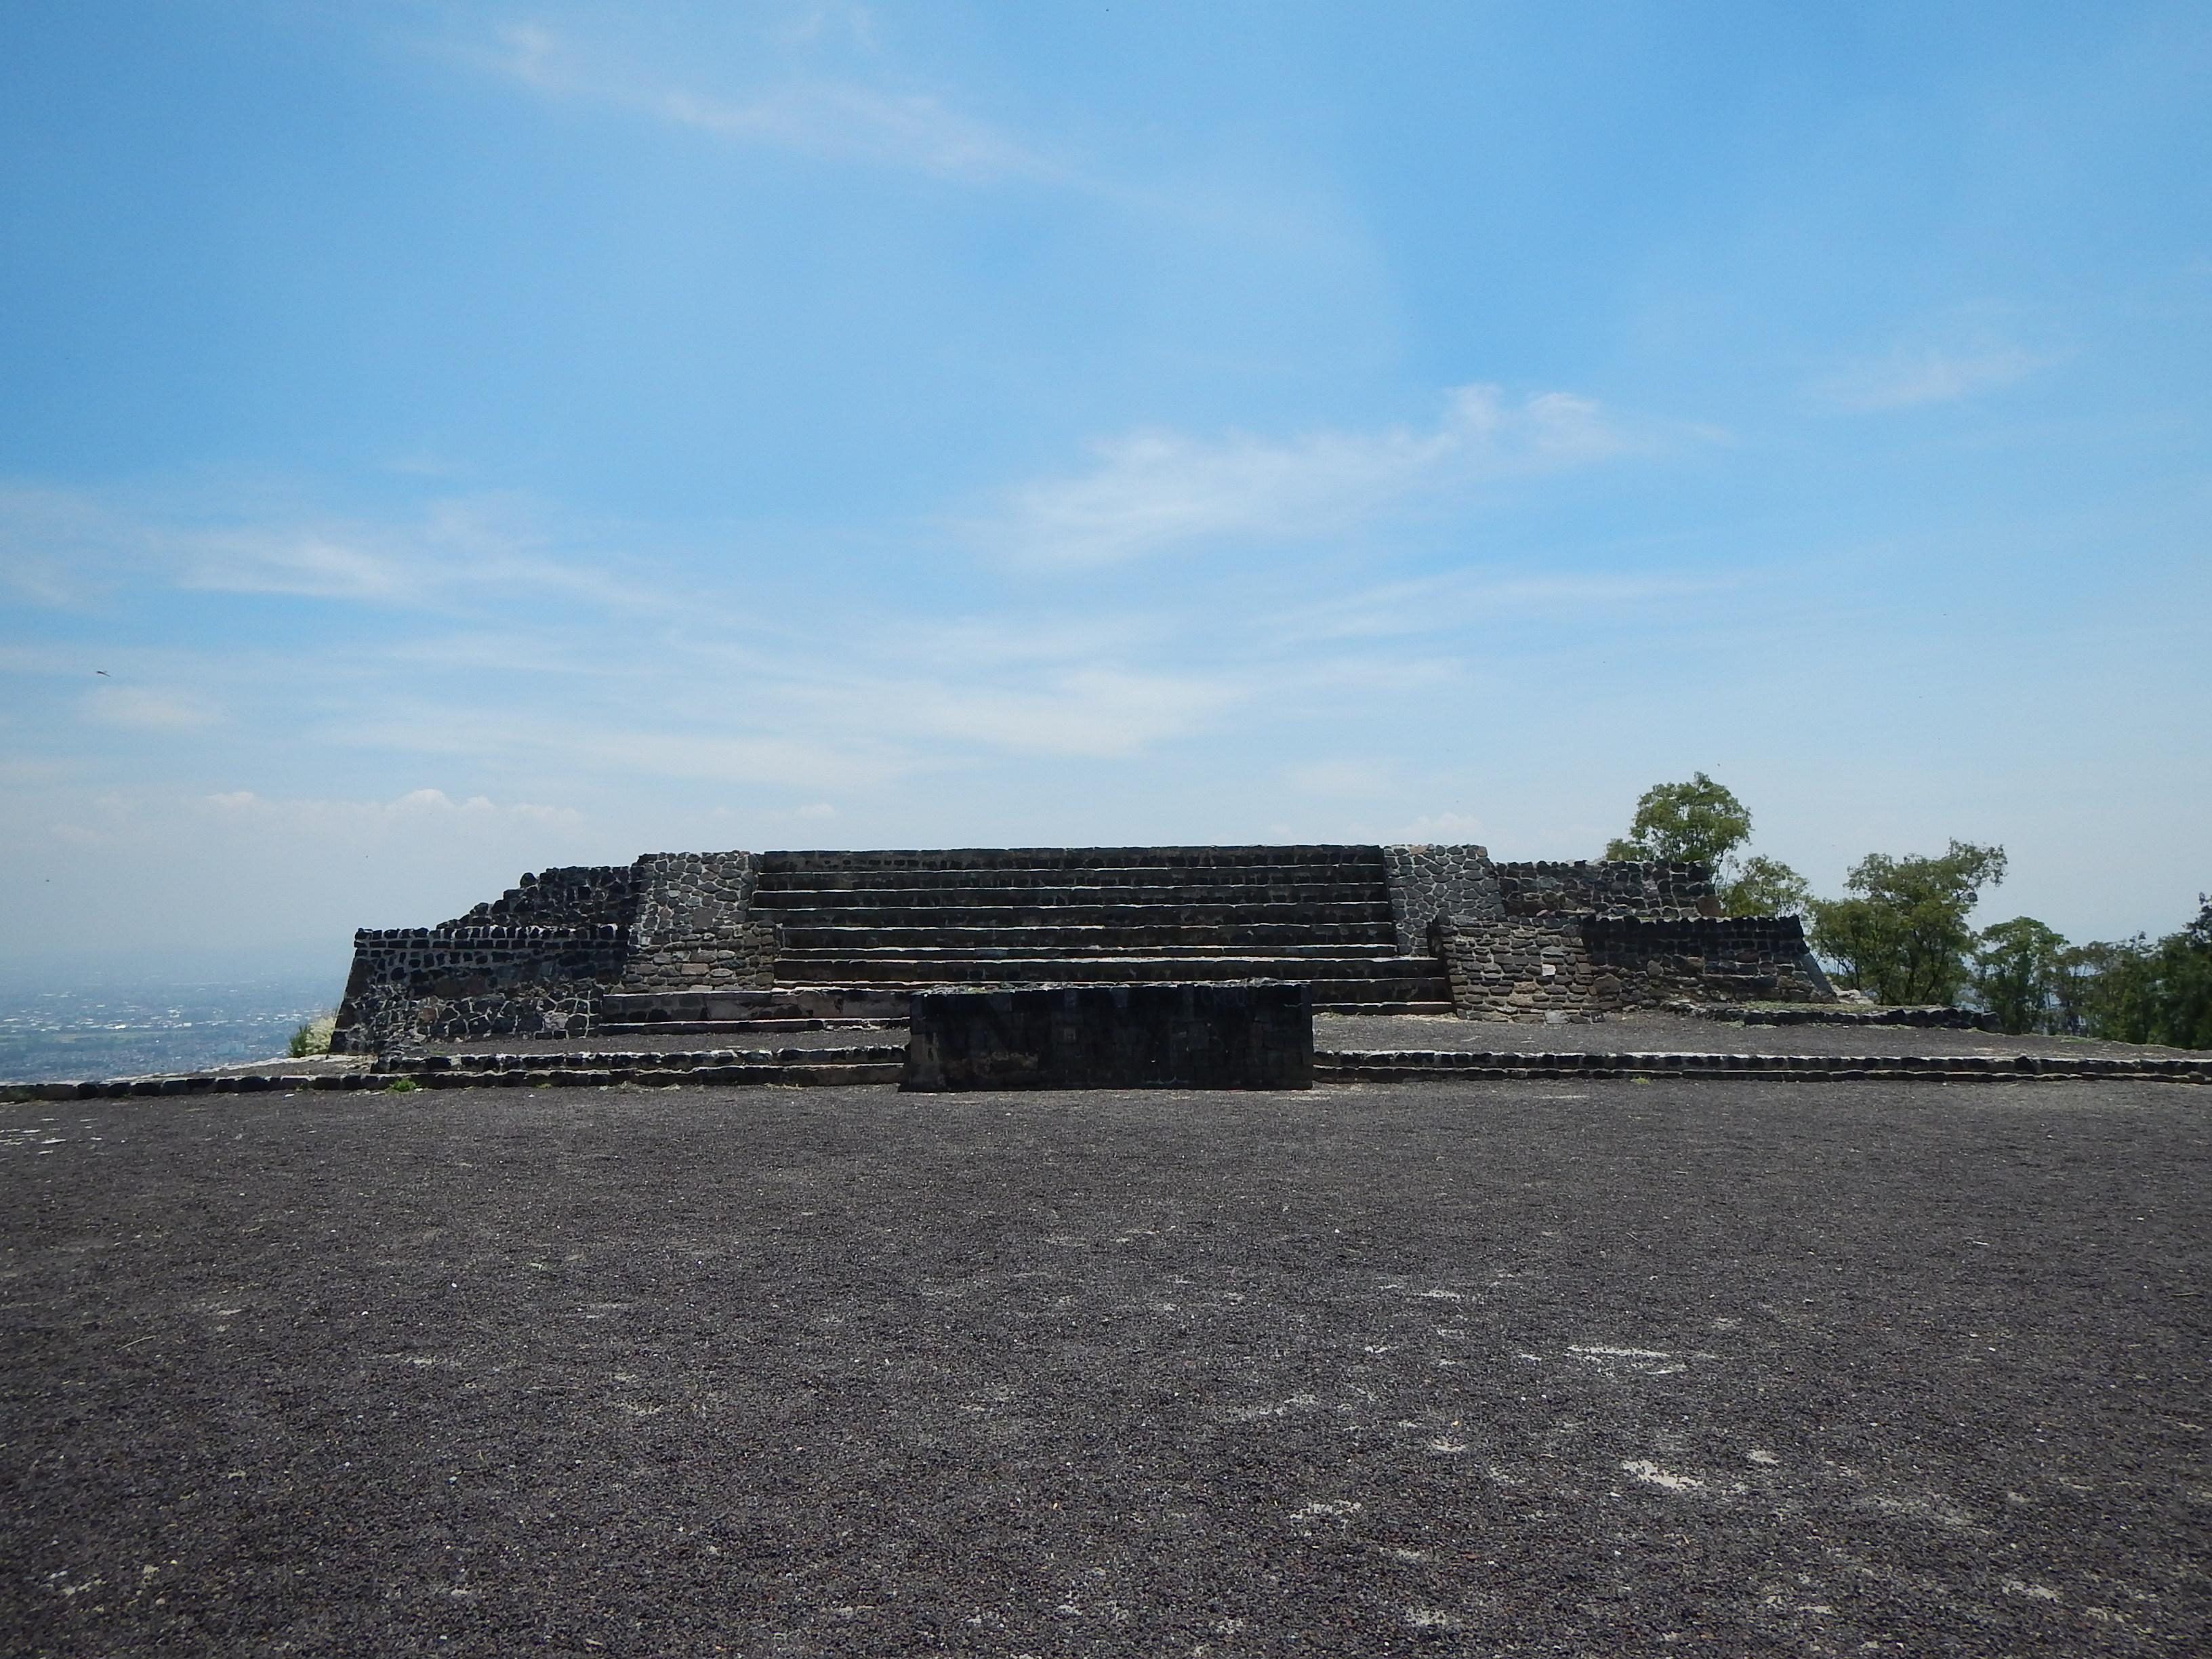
point(1343, 1049)
point(1346, 1049)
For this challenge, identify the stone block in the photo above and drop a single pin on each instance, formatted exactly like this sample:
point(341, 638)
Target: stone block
point(1219, 1035)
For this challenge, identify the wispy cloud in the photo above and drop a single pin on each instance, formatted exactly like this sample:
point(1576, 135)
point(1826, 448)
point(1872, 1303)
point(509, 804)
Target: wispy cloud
point(839, 118)
point(1153, 491)
point(65, 549)
point(1908, 379)
point(1463, 598)
point(415, 805)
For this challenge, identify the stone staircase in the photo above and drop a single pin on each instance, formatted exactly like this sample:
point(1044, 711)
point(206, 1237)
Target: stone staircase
point(858, 931)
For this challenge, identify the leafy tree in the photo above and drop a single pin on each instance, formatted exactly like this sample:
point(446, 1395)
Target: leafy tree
point(1699, 821)
point(2084, 978)
point(1762, 886)
point(1702, 822)
point(2160, 993)
point(1903, 935)
point(2018, 971)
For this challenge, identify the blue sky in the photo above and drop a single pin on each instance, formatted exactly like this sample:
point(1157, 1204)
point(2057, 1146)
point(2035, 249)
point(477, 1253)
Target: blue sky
point(473, 438)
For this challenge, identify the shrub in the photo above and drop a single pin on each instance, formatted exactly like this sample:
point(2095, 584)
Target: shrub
point(313, 1037)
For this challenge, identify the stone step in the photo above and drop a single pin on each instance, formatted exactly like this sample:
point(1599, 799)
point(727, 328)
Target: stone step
point(739, 1027)
point(1065, 887)
point(1359, 900)
point(772, 865)
point(817, 933)
point(651, 1069)
point(1271, 939)
point(816, 1001)
point(1347, 902)
point(1368, 978)
point(599, 1058)
point(1140, 968)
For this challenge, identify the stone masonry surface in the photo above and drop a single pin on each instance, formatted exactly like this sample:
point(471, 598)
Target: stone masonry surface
point(1615, 887)
point(413, 985)
point(1561, 966)
point(1706, 959)
point(1428, 882)
point(695, 930)
point(574, 896)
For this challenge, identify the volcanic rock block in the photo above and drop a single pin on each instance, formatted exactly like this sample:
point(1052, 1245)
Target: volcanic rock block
point(1218, 1035)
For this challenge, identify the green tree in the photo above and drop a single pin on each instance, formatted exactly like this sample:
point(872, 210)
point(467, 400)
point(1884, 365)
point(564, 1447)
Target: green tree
point(1699, 821)
point(2083, 978)
point(1702, 822)
point(1762, 886)
point(2160, 993)
point(1902, 936)
point(2020, 968)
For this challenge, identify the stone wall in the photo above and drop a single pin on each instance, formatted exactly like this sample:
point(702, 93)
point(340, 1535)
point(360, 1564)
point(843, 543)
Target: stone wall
point(417, 984)
point(695, 930)
point(1607, 887)
point(1428, 882)
point(1531, 969)
point(574, 895)
point(1569, 967)
point(1707, 959)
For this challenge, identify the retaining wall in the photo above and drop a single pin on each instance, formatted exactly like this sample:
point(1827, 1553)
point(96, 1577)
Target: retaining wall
point(1568, 968)
point(417, 984)
point(1608, 887)
point(572, 895)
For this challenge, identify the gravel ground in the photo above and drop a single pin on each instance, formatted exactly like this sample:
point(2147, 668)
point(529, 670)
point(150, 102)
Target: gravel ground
point(1643, 1033)
point(1615, 1368)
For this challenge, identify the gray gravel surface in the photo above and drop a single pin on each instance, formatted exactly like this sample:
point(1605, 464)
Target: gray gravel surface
point(1643, 1033)
point(1613, 1368)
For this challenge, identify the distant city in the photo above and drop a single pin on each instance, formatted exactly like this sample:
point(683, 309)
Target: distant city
point(128, 1031)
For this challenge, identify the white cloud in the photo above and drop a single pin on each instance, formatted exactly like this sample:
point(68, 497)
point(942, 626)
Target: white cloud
point(1907, 380)
point(840, 119)
point(1149, 492)
point(307, 563)
point(147, 708)
point(417, 806)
